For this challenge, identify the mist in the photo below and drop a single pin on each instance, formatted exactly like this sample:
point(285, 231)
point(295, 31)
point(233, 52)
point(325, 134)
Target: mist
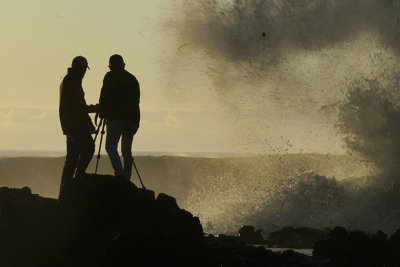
point(370, 121)
point(281, 69)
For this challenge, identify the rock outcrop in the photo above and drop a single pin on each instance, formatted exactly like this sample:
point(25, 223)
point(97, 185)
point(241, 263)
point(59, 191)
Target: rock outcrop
point(105, 221)
point(355, 248)
point(290, 237)
point(249, 235)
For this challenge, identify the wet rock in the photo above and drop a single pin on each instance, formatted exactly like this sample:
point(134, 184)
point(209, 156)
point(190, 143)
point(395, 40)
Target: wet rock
point(394, 240)
point(147, 248)
point(248, 235)
point(24, 225)
point(104, 221)
point(289, 237)
point(356, 248)
point(91, 213)
point(167, 202)
point(379, 238)
point(21, 205)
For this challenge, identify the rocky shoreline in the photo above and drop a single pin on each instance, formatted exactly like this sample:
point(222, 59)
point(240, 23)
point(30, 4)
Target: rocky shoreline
point(105, 221)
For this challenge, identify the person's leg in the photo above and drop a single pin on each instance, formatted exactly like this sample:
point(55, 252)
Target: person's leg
point(71, 161)
point(128, 132)
point(114, 132)
point(86, 149)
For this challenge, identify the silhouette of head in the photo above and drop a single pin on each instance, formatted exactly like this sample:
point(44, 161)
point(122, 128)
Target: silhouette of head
point(116, 63)
point(79, 65)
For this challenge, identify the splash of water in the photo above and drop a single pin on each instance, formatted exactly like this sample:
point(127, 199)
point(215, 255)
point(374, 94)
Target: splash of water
point(271, 60)
point(272, 192)
point(279, 66)
point(370, 120)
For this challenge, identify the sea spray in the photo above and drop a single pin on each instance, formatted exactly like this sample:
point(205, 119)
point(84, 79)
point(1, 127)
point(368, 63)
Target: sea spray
point(279, 68)
point(305, 200)
point(272, 192)
point(275, 196)
point(369, 120)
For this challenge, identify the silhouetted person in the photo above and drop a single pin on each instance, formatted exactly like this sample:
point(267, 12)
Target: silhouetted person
point(75, 122)
point(119, 105)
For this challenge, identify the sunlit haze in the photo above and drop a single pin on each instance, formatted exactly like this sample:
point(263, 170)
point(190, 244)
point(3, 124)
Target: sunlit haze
point(193, 97)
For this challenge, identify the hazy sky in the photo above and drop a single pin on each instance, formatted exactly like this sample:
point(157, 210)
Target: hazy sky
point(204, 86)
point(39, 40)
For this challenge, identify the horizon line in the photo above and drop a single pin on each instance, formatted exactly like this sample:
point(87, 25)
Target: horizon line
point(177, 152)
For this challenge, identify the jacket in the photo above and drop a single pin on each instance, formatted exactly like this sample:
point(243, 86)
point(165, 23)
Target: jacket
point(73, 110)
point(120, 97)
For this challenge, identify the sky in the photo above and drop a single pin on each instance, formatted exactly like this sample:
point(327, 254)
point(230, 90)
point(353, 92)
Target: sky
point(39, 41)
point(215, 76)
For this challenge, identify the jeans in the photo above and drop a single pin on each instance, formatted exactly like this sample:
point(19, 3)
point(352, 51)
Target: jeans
point(80, 149)
point(115, 130)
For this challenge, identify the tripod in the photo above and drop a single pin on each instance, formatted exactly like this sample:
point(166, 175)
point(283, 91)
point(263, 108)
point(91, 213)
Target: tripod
point(102, 121)
point(102, 124)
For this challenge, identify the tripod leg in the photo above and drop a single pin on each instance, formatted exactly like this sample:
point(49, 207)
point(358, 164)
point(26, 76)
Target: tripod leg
point(101, 140)
point(140, 179)
point(98, 130)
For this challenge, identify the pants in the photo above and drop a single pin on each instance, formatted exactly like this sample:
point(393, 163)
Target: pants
point(80, 150)
point(115, 130)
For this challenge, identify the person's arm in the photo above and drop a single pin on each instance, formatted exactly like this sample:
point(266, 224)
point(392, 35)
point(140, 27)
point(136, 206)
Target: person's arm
point(92, 108)
point(104, 96)
point(137, 92)
point(135, 109)
point(134, 92)
point(67, 102)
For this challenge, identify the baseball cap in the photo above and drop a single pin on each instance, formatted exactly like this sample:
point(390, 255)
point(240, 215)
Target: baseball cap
point(80, 61)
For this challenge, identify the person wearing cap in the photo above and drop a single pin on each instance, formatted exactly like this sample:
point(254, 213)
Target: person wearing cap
point(75, 121)
point(119, 106)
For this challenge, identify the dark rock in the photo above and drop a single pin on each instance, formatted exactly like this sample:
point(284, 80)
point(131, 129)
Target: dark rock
point(92, 211)
point(26, 190)
point(229, 238)
point(394, 240)
point(358, 249)
point(379, 238)
point(289, 237)
point(228, 242)
point(146, 248)
point(23, 225)
point(101, 221)
point(338, 232)
point(167, 202)
point(248, 235)
point(291, 256)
